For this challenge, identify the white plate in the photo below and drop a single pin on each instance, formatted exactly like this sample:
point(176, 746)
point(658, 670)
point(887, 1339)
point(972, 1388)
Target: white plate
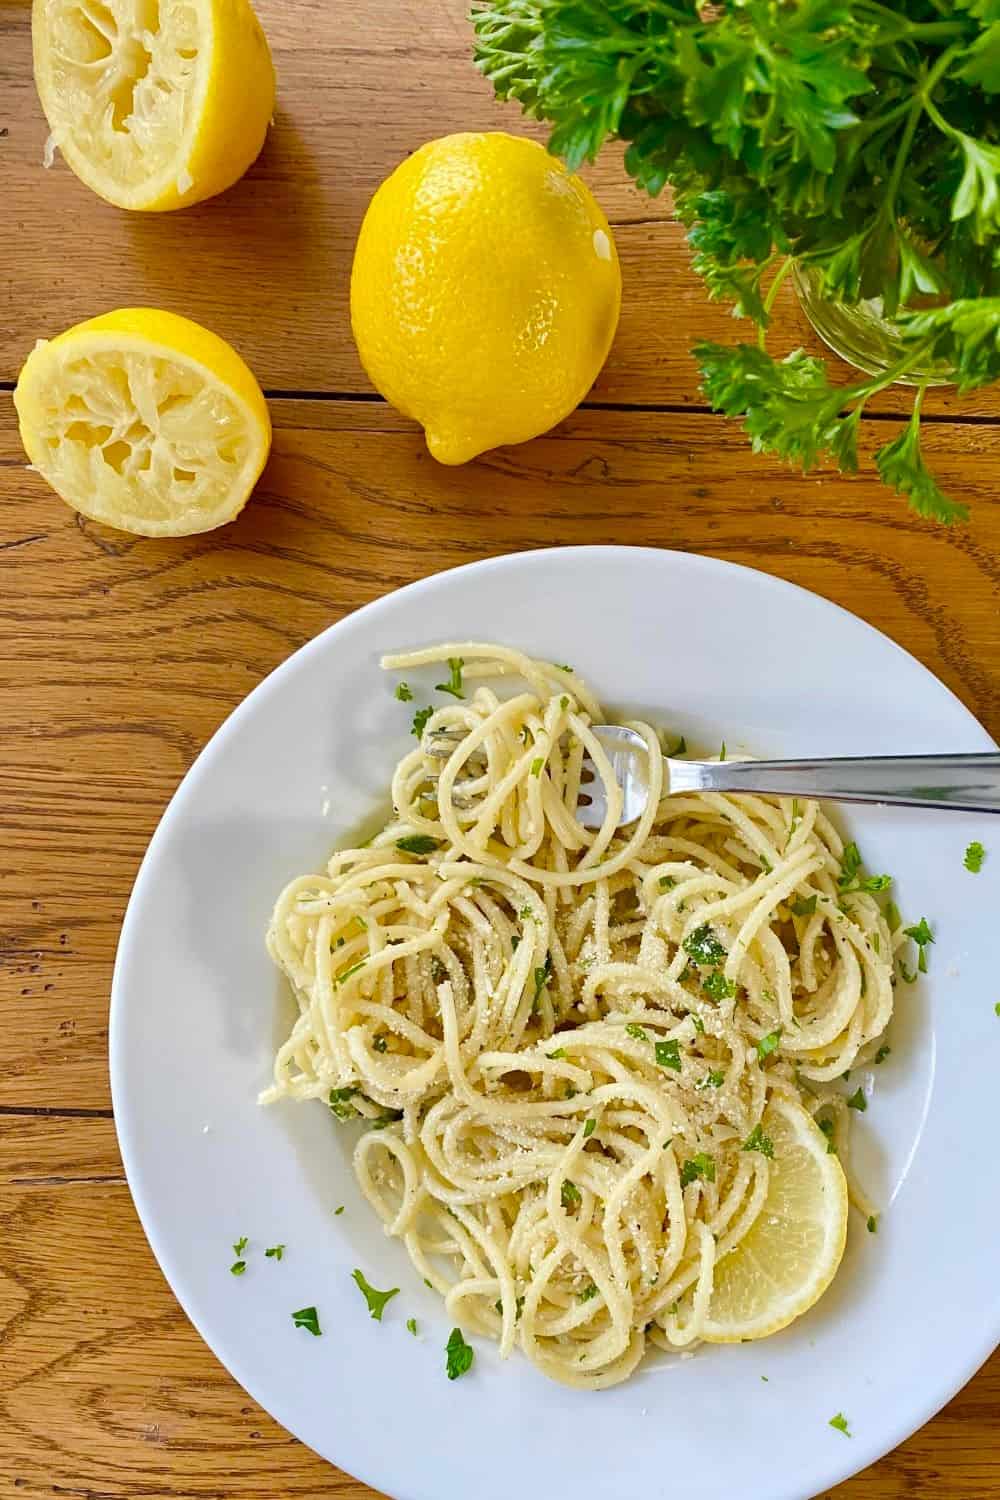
point(706, 647)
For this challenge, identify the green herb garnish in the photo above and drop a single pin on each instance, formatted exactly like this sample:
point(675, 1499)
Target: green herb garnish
point(873, 1223)
point(403, 693)
point(542, 977)
point(840, 1422)
point(666, 882)
point(921, 935)
point(338, 1210)
point(804, 906)
point(768, 1044)
point(454, 683)
point(537, 764)
point(240, 1245)
point(411, 1326)
point(420, 721)
point(827, 1128)
point(380, 1042)
point(697, 1022)
point(569, 1194)
point(758, 1141)
point(238, 1267)
point(975, 854)
point(668, 1054)
point(376, 1300)
point(559, 1052)
point(339, 1101)
point(418, 843)
point(717, 986)
point(857, 1100)
point(883, 1053)
point(703, 946)
point(679, 749)
point(588, 1293)
point(589, 1128)
point(635, 1030)
point(713, 1079)
point(308, 1318)
point(275, 1252)
point(459, 1355)
point(698, 1166)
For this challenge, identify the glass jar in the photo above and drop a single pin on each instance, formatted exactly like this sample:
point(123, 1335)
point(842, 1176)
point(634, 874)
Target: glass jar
point(860, 333)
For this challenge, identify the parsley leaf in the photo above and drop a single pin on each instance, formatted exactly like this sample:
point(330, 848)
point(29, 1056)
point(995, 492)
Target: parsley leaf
point(883, 1053)
point(275, 1252)
point(403, 693)
point(974, 856)
point(804, 906)
point(921, 935)
point(542, 977)
point(703, 946)
point(454, 683)
point(857, 1100)
point(308, 1318)
point(635, 1030)
point(872, 1224)
point(459, 1355)
point(339, 1101)
point(418, 843)
point(238, 1267)
point(588, 1293)
point(768, 1044)
point(589, 1128)
point(840, 1422)
point(569, 1194)
point(240, 1245)
point(411, 1326)
point(668, 1054)
point(376, 1300)
point(698, 1166)
point(758, 1141)
point(717, 986)
point(536, 765)
point(420, 721)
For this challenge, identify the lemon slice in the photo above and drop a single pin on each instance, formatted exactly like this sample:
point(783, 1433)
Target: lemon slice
point(153, 103)
point(791, 1254)
point(145, 421)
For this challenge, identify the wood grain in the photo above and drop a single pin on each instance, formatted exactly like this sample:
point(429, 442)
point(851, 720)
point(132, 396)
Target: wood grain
point(119, 657)
point(355, 96)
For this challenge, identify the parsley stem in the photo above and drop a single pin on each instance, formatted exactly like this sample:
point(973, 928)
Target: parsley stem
point(772, 293)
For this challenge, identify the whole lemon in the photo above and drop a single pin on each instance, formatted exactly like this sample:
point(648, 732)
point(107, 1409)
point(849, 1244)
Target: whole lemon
point(485, 291)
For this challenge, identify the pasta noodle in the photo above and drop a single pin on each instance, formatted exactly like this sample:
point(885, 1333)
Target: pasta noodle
point(560, 1040)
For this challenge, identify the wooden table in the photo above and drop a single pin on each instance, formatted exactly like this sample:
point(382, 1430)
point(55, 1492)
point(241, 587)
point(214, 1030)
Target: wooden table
point(121, 656)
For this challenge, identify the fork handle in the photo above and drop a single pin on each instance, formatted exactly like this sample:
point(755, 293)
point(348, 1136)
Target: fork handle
point(962, 782)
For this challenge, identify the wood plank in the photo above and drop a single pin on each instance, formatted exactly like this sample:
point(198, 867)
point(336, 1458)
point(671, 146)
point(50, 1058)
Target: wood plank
point(358, 90)
point(120, 656)
point(109, 1394)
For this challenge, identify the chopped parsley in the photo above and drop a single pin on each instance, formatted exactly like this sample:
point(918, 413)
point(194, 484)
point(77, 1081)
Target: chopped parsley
point(857, 1100)
point(697, 1022)
point(679, 749)
point(668, 1054)
point(588, 1293)
point(666, 882)
point(873, 1223)
point(698, 1166)
point(921, 935)
point(768, 1044)
point(883, 1052)
point(542, 977)
point(420, 721)
point(238, 1267)
point(805, 906)
point(240, 1245)
point(439, 970)
point(765, 864)
point(403, 692)
point(454, 683)
point(376, 1300)
point(339, 1101)
point(275, 1252)
point(851, 878)
point(892, 917)
point(634, 1029)
point(411, 1326)
point(589, 1128)
point(526, 914)
point(515, 942)
point(518, 1307)
point(562, 667)
point(348, 973)
point(827, 1128)
point(713, 1079)
point(459, 1355)
point(418, 843)
point(703, 946)
point(570, 1194)
point(722, 750)
point(380, 1042)
point(564, 704)
point(717, 986)
point(559, 1052)
point(996, 1009)
point(338, 1210)
point(974, 856)
point(840, 1422)
point(307, 1317)
point(537, 764)
point(758, 1141)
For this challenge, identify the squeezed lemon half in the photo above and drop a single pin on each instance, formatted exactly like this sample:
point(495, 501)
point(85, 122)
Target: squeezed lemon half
point(790, 1256)
point(145, 421)
point(154, 104)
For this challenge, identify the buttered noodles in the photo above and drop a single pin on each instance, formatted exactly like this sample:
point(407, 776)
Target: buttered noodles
point(560, 1044)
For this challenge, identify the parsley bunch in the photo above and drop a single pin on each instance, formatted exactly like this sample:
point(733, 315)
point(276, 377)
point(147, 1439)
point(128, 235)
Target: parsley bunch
point(861, 139)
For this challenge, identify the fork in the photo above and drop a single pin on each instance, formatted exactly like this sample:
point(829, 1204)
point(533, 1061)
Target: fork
point(962, 783)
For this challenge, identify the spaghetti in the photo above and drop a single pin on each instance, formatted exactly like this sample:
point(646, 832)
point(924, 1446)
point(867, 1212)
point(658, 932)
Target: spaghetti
point(562, 1041)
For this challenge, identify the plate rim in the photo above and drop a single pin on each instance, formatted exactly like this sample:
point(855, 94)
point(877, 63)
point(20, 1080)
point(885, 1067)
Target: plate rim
point(863, 1454)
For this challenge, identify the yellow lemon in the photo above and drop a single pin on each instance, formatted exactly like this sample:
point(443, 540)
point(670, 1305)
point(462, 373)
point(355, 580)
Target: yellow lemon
point(485, 291)
point(154, 104)
point(789, 1257)
point(145, 421)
